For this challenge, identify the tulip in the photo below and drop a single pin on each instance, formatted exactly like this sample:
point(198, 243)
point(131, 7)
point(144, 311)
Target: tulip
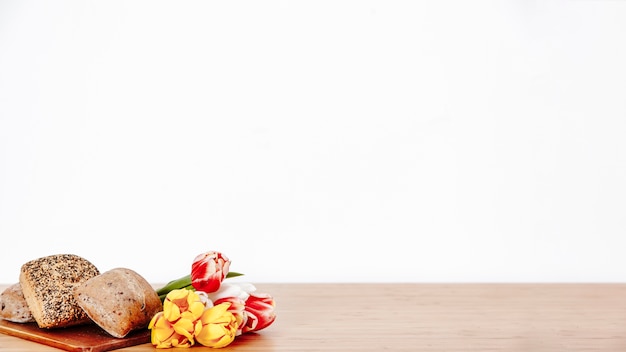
point(219, 327)
point(163, 334)
point(183, 304)
point(219, 269)
point(259, 312)
point(179, 321)
point(208, 270)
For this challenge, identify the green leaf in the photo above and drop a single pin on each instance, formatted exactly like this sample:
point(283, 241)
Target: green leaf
point(175, 284)
point(232, 274)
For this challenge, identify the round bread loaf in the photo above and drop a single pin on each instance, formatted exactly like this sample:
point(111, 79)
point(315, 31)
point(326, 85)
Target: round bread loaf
point(48, 285)
point(13, 306)
point(119, 301)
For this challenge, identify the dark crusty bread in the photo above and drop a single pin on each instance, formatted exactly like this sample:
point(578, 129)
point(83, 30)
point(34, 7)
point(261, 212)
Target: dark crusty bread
point(119, 301)
point(48, 285)
point(13, 306)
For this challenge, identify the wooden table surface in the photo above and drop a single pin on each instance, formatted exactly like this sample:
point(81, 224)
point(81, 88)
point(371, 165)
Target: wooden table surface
point(430, 317)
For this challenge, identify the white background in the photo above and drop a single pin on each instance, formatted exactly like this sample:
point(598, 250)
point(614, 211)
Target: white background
point(317, 141)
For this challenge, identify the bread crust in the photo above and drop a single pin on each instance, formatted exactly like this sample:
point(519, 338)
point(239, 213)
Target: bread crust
point(13, 306)
point(119, 301)
point(48, 284)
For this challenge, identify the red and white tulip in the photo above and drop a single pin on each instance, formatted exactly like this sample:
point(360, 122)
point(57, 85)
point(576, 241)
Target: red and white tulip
point(208, 270)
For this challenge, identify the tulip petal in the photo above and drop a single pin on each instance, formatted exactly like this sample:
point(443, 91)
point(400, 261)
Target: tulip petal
point(184, 327)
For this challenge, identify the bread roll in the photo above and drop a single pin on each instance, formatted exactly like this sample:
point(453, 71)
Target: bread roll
point(119, 301)
point(48, 285)
point(13, 306)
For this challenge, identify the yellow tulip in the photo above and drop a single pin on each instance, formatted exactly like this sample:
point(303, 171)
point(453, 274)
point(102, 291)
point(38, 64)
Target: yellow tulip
point(179, 322)
point(163, 333)
point(219, 327)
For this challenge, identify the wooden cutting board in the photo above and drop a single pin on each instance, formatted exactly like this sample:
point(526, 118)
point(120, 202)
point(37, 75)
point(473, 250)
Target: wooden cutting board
point(78, 338)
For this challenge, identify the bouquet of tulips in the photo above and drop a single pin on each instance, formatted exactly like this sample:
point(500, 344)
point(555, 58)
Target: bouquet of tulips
point(202, 308)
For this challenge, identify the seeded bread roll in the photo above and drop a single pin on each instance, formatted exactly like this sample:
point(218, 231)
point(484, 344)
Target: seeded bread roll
point(119, 301)
point(13, 305)
point(48, 285)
